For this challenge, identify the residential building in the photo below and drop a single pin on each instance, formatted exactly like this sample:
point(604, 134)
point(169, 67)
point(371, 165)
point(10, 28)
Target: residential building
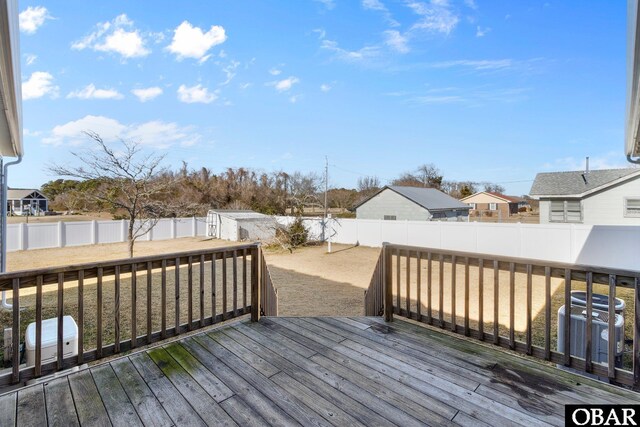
point(24, 201)
point(413, 204)
point(607, 196)
point(486, 202)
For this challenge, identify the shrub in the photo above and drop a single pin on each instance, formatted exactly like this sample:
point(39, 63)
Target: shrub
point(292, 236)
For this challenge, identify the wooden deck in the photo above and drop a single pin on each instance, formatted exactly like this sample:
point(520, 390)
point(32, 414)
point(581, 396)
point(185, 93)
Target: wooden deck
point(310, 371)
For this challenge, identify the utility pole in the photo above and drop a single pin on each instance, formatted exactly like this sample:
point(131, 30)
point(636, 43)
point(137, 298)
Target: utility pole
point(326, 186)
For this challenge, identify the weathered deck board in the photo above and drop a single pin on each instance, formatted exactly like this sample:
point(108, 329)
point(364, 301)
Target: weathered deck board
point(60, 408)
point(311, 371)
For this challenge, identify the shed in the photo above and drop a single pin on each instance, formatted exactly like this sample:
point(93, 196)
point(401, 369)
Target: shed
point(25, 201)
point(240, 225)
point(413, 204)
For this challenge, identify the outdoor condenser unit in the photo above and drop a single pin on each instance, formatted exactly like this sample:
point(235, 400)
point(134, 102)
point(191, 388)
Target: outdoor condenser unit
point(49, 340)
point(599, 334)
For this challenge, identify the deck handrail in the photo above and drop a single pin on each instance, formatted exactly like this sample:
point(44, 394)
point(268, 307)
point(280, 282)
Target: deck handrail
point(402, 273)
point(232, 276)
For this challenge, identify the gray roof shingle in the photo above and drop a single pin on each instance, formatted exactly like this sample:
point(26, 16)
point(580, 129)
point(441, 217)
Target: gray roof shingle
point(575, 182)
point(429, 198)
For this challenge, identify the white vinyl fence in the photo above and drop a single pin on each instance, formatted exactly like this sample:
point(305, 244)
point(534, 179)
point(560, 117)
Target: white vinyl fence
point(596, 245)
point(63, 234)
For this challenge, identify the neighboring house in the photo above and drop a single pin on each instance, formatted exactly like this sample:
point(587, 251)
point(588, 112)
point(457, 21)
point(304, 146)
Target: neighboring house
point(485, 201)
point(608, 196)
point(412, 203)
point(240, 225)
point(23, 201)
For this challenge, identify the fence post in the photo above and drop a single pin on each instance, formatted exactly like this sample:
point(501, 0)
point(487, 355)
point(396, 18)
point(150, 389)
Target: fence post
point(173, 228)
point(123, 235)
point(387, 283)
point(94, 232)
point(60, 234)
point(194, 227)
point(255, 283)
point(23, 236)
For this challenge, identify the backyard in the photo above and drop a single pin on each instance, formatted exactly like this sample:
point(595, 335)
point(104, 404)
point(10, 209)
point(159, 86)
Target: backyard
point(310, 282)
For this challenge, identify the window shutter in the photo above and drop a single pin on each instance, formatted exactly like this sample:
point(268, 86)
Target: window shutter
point(556, 211)
point(632, 207)
point(574, 213)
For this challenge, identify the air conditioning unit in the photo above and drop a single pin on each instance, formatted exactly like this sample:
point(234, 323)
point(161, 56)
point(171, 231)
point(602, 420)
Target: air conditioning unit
point(49, 347)
point(599, 334)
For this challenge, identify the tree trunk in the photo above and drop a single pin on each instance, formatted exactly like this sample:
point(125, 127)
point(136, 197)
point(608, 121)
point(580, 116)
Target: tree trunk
point(130, 240)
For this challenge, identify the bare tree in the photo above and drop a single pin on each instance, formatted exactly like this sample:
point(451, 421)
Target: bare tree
point(426, 175)
point(128, 181)
point(303, 191)
point(493, 188)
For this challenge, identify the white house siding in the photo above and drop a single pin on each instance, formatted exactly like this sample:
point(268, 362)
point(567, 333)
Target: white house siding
point(388, 202)
point(605, 207)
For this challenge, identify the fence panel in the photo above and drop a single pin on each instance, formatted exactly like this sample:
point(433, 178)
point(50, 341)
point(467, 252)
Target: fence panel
point(78, 233)
point(40, 236)
point(184, 227)
point(109, 232)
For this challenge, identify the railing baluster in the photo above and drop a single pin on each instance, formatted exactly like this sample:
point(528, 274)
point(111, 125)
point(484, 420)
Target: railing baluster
point(60, 340)
point(397, 307)
point(177, 294)
point(80, 317)
point(453, 292)
point(149, 285)
point(213, 284)
point(388, 285)
point(567, 317)
point(255, 284)
point(529, 310)
point(224, 285)
point(441, 291)
point(189, 293)
point(588, 365)
point(467, 332)
point(547, 313)
point(496, 300)
point(418, 285)
point(429, 283)
point(612, 327)
point(202, 290)
point(99, 312)
point(134, 303)
point(636, 334)
point(15, 332)
point(481, 299)
point(408, 284)
point(38, 367)
point(163, 299)
point(235, 283)
point(116, 326)
point(244, 280)
point(512, 303)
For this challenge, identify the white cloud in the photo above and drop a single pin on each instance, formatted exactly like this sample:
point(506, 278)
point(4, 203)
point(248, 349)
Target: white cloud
point(154, 134)
point(373, 5)
point(38, 85)
point(191, 42)
point(117, 36)
point(147, 94)
point(275, 72)
point(244, 86)
point(293, 99)
point(396, 41)
point(91, 92)
point(230, 72)
point(609, 160)
point(481, 32)
point(436, 16)
point(32, 18)
point(195, 94)
point(325, 87)
point(471, 4)
point(285, 84)
point(479, 65)
point(30, 59)
point(362, 54)
point(329, 4)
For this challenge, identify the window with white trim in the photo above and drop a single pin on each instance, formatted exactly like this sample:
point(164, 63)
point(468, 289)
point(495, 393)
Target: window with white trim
point(565, 211)
point(473, 206)
point(493, 206)
point(632, 207)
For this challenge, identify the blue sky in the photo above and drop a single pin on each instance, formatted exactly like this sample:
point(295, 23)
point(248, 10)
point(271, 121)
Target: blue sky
point(485, 90)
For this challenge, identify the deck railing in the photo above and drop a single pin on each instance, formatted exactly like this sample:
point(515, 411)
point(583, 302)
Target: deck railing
point(513, 303)
point(120, 305)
